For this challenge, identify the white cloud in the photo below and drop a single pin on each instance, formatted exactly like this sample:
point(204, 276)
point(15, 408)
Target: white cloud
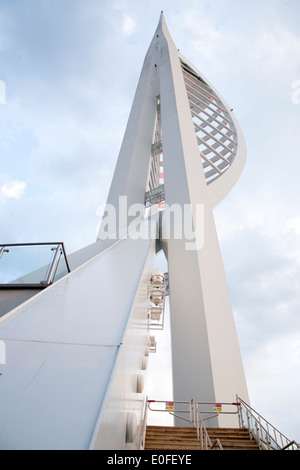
point(13, 189)
point(129, 25)
point(276, 47)
point(2, 92)
point(204, 35)
point(78, 107)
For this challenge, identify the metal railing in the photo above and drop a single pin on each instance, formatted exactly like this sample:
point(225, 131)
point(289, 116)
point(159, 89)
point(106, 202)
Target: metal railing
point(32, 265)
point(202, 434)
point(142, 433)
point(155, 196)
point(261, 431)
point(194, 410)
point(264, 433)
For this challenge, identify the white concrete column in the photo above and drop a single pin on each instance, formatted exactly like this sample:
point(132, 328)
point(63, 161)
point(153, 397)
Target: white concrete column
point(206, 357)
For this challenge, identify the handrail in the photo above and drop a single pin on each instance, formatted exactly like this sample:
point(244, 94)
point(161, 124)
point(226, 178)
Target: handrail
point(4, 245)
point(141, 439)
point(290, 444)
point(170, 412)
point(202, 433)
point(217, 441)
point(3, 250)
point(196, 419)
point(155, 196)
point(261, 429)
point(58, 251)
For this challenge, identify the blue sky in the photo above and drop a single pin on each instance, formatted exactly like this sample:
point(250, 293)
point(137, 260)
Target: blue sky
point(70, 69)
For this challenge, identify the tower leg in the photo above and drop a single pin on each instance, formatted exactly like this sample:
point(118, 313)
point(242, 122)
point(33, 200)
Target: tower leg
point(206, 358)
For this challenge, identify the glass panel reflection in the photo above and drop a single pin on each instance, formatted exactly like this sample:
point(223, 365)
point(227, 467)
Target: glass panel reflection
point(32, 264)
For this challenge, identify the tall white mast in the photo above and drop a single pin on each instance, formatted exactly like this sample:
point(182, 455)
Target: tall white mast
point(75, 376)
point(203, 154)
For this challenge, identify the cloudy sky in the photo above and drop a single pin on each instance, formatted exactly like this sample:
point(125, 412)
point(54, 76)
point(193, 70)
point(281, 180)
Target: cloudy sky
point(68, 73)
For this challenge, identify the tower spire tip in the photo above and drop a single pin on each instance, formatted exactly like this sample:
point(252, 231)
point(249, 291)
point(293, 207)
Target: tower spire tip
point(161, 19)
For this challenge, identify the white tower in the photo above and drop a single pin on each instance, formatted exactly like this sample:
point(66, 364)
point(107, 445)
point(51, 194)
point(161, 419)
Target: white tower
point(202, 153)
point(77, 351)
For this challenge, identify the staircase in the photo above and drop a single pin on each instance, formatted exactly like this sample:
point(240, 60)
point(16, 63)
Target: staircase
point(185, 438)
point(233, 438)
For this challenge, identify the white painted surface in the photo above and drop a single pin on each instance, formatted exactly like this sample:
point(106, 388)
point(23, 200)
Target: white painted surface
point(61, 350)
point(74, 351)
point(124, 399)
point(206, 357)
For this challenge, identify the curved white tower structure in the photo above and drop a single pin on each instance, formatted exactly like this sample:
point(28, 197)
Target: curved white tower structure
point(204, 154)
point(77, 351)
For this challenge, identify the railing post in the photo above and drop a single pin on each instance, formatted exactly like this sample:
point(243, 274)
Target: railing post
point(258, 436)
point(3, 250)
point(53, 267)
point(201, 434)
point(281, 440)
point(197, 420)
point(248, 419)
point(192, 412)
point(240, 413)
point(141, 441)
point(268, 436)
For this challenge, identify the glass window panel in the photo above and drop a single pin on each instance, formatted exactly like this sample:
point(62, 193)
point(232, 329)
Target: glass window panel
point(30, 264)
